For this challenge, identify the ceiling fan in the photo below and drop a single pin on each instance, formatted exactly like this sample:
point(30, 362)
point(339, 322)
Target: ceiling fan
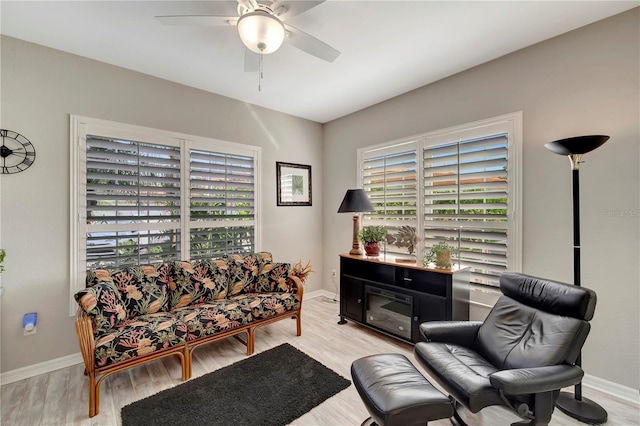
point(261, 28)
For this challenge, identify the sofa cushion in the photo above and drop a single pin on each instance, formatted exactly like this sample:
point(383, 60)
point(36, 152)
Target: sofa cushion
point(144, 289)
point(265, 305)
point(275, 280)
point(254, 272)
point(210, 318)
point(198, 282)
point(103, 304)
point(139, 336)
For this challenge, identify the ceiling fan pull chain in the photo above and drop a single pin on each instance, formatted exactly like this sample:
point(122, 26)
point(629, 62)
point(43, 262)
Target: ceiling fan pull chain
point(260, 71)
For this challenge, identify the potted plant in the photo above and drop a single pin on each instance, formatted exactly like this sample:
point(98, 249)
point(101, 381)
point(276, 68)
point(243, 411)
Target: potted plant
point(300, 272)
point(3, 253)
point(371, 237)
point(406, 237)
point(440, 255)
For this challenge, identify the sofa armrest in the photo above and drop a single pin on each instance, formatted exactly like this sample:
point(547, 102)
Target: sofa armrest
point(461, 333)
point(537, 379)
point(86, 339)
point(296, 286)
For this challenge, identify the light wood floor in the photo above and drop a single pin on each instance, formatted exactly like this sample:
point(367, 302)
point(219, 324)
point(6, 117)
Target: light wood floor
point(60, 397)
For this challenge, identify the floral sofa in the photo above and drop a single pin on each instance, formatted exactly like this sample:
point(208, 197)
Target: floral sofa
point(133, 315)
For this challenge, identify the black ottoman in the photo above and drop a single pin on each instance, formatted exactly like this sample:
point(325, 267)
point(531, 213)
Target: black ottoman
point(395, 393)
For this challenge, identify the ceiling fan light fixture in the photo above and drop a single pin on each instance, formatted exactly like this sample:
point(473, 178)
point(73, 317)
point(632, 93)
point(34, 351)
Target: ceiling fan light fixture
point(261, 32)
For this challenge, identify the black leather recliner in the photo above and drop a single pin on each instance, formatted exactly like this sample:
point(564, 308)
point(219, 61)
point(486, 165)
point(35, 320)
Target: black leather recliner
point(520, 356)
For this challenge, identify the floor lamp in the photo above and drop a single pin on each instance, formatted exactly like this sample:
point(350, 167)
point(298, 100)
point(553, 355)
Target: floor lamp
point(355, 201)
point(576, 406)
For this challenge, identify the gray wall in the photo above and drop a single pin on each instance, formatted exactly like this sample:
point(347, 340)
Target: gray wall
point(40, 88)
point(583, 82)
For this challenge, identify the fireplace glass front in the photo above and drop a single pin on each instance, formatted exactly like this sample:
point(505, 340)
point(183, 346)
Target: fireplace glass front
point(389, 311)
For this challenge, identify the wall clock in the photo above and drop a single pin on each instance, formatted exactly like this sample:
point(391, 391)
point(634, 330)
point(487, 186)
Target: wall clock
point(16, 152)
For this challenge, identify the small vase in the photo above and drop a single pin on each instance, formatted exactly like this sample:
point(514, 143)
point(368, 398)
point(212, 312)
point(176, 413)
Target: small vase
point(372, 248)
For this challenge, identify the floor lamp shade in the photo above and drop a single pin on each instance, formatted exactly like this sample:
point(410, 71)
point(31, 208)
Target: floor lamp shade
point(355, 201)
point(576, 145)
point(575, 405)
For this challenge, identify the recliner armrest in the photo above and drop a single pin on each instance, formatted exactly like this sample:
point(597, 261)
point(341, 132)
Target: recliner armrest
point(461, 333)
point(536, 380)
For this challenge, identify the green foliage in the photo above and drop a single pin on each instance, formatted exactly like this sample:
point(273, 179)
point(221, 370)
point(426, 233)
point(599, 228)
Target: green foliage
point(372, 234)
point(128, 248)
point(477, 201)
point(438, 255)
point(297, 185)
point(3, 254)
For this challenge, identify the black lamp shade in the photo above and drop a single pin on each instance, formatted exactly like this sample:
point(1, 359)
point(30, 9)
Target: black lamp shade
point(355, 201)
point(576, 145)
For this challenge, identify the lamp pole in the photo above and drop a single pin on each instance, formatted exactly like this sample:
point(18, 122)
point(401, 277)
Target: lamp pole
point(577, 406)
point(575, 179)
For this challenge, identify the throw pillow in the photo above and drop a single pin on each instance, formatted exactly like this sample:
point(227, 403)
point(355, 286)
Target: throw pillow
point(144, 289)
point(197, 282)
point(276, 280)
point(248, 271)
point(103, 304)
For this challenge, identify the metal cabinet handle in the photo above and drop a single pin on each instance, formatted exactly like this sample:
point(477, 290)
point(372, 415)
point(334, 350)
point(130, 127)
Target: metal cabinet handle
point(407, 279)
point(415, 319)
point(359, 300)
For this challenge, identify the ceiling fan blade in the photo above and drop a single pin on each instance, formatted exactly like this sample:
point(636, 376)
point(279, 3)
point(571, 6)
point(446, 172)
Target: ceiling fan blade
point(251, 61)
point(284, 9)
point(248, 4)
point(198, 20)
point(310, 44)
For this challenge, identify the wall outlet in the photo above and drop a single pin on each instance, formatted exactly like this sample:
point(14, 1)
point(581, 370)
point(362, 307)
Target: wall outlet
point(333, 273)
point(33, 331)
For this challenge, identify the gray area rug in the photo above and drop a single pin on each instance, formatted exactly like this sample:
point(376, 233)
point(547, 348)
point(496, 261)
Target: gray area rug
point(271, 388)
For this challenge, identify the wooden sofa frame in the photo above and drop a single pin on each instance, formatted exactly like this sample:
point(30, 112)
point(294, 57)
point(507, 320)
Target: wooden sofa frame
point(86, 339)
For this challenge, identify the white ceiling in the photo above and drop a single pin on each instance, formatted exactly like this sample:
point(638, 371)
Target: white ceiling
point(388, 47)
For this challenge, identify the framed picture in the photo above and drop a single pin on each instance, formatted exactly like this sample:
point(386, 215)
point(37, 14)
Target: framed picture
point(294, 184)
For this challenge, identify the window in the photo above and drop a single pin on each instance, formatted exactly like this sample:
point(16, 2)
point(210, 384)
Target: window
point(389, 177)
point(459, 185)
point(133, 202)
point(222, 191)
point(142, 195)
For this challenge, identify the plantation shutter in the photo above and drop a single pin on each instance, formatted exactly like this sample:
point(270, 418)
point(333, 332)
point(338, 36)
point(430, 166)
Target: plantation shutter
point(222, 204)
point(390, 180)
point(465, 202)
point(133, 202)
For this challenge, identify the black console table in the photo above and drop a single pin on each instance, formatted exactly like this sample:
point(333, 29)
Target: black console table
point(395, 298)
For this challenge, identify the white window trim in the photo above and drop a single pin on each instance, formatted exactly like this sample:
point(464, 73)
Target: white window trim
point(81, 126)
point(512, 122)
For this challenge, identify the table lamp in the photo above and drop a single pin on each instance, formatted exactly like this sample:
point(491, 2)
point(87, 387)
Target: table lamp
point(355, 201)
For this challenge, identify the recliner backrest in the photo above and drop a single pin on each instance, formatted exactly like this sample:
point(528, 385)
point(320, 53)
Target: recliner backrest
point(535, 323)
point(550, 296)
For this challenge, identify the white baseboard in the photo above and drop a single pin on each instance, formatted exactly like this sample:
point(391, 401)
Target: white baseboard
point(321, 293)
point(614, 389)
point(41, 368)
